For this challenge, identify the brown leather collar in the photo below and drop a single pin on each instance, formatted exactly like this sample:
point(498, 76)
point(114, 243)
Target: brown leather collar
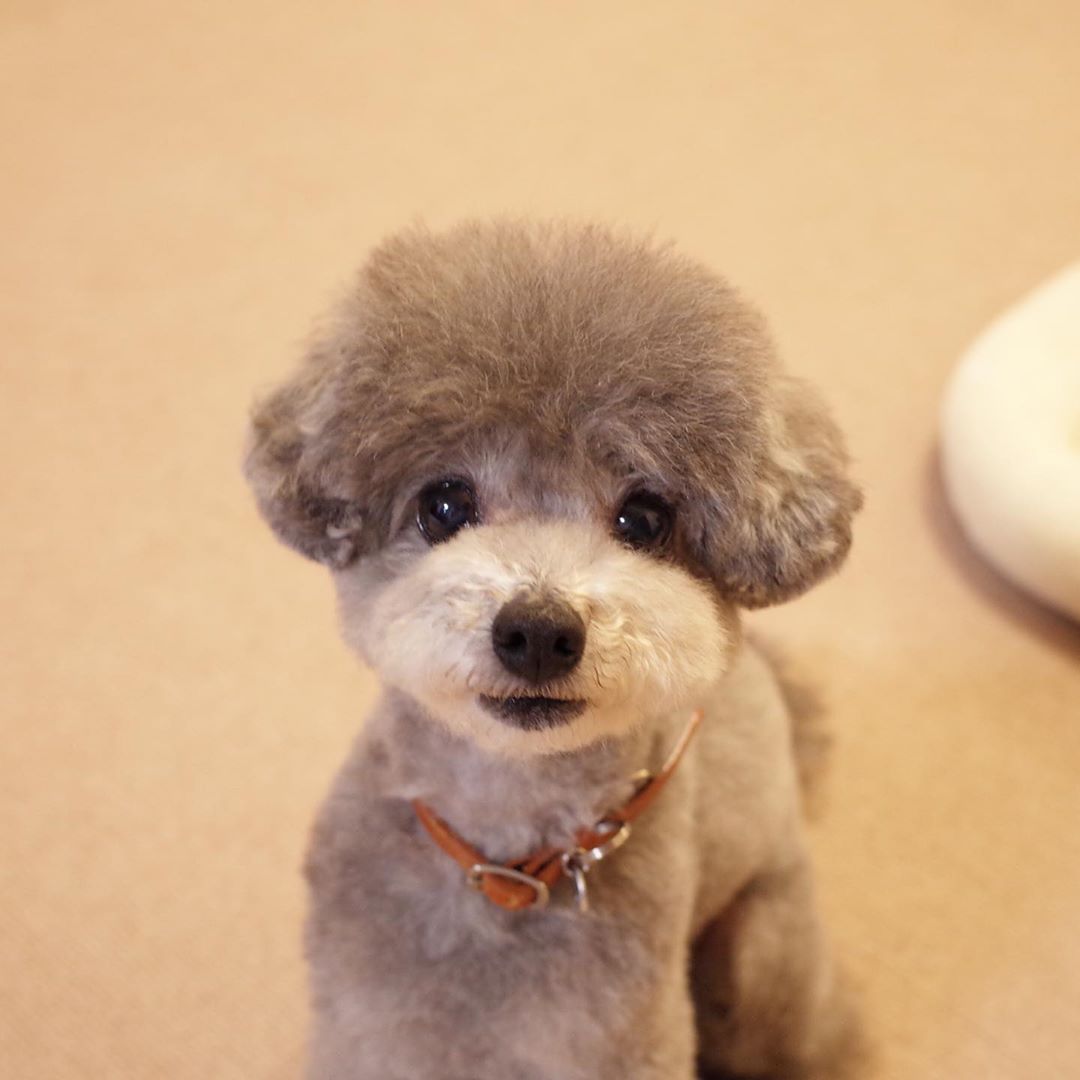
point(527, 882)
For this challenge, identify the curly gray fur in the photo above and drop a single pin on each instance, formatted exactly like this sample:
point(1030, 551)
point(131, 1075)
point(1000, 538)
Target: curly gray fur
point(556, 367)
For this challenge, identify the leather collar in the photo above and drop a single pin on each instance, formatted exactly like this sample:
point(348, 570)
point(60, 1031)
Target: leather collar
point(527, 882)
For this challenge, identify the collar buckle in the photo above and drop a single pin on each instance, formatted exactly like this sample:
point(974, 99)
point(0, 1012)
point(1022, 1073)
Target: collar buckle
point(478, 873)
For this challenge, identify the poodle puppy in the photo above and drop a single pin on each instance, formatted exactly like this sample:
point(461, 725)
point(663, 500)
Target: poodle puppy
point(546, 466)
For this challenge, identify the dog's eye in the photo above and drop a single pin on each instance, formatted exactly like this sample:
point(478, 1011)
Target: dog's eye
point(444, 508)
point(644, 521)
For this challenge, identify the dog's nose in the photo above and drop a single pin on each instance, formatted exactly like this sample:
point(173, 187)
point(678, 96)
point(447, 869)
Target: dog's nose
point(538, 639)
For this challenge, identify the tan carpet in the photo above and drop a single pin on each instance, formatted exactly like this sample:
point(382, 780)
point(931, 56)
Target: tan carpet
point(184, 185)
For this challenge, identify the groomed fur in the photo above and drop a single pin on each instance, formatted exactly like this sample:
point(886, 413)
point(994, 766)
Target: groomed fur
point(555, 374)
point(610, 349)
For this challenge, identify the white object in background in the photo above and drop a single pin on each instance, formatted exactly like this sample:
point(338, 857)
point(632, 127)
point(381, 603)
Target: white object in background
point(1011, 443)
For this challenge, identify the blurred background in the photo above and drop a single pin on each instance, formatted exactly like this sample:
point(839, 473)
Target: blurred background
point(186, 185)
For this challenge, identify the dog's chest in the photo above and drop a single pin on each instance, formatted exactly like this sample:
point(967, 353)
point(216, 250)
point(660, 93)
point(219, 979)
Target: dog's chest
point(533, 1000)
point(437, 979)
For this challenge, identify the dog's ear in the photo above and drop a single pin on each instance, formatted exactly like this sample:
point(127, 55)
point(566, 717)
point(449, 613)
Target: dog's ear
point(790, 525)
point(291, 473)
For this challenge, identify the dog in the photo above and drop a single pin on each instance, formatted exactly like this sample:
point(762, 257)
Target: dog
point(547, 465)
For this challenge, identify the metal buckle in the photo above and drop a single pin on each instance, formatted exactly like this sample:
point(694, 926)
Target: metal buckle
point(475, 878)
point(577, 862)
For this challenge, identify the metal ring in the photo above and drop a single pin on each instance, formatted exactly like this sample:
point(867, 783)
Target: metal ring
point(619, 835)
point(580, 858)
point(475, 878)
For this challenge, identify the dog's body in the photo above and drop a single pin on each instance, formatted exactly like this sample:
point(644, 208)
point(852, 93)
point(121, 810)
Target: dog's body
point(417, 976)
point(604, 463)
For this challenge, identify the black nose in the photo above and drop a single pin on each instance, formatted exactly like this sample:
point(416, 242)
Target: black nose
point(538, 639)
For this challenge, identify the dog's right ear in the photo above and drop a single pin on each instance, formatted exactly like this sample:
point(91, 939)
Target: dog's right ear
point(289, 473)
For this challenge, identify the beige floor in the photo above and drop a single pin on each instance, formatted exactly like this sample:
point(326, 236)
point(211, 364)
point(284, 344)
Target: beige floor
point(183, 185)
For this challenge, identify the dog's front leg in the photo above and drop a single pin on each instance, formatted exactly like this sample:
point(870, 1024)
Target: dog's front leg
point(767, 1002)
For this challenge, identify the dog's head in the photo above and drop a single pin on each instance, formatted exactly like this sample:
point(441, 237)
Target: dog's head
point(546, 465)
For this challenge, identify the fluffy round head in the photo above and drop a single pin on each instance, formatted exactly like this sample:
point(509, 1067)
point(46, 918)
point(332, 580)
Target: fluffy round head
point(558, 416)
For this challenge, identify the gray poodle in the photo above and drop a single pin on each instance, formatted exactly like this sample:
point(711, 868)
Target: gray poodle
point(546, 465)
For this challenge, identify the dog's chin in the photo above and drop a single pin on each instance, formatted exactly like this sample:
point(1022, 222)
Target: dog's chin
point(532, 712)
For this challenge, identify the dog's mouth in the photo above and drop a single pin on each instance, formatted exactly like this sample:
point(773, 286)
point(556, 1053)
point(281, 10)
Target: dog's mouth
point(532, 713)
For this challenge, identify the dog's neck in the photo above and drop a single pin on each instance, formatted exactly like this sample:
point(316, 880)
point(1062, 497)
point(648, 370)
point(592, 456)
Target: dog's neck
point(506, 807)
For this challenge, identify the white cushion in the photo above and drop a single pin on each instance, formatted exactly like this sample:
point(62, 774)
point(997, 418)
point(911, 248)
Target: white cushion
point(1011, 443)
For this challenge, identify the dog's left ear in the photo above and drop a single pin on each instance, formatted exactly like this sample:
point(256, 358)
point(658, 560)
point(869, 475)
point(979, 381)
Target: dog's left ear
point(790, 525)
